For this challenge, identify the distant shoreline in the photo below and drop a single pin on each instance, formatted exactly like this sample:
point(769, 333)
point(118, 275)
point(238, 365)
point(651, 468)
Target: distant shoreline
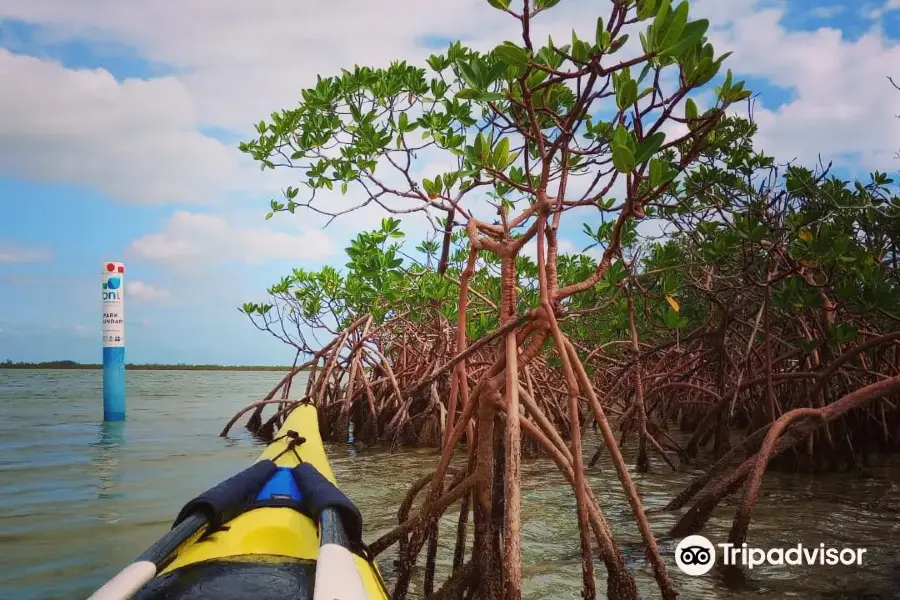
point(66, 364)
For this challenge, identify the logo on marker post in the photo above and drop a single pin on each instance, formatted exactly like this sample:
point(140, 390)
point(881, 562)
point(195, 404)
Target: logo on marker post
point(112, 284)
point(112, 289)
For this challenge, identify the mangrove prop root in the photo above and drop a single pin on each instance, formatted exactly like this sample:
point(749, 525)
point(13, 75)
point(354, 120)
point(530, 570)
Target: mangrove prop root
point(642, 463)
point(741, 522)
point(694, 520)
point(458, 583)
point(422, 381)
point(388, 539)
point(246, 409)
point(387, 398)
point(407, 504)
point(512, 552)
point(620, 584)
point(399, 381)
point(430, 558)
point(634, 500)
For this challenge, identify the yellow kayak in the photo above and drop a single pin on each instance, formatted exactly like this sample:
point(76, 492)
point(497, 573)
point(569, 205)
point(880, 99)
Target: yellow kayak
point(280, 529)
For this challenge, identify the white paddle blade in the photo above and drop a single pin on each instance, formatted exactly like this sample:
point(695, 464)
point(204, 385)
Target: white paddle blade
point(127, 582)
point(337, 576)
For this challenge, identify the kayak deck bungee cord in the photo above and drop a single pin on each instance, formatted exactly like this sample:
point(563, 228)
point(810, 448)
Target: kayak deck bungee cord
point(279, 529)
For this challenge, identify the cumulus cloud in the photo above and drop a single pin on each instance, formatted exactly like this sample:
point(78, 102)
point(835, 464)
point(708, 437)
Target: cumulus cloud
point(879, 12)
point(143, 141)
point(12, 253)
point(842, 107)
point(192, 238)
point(135, 140)
point(138, 290)
point(827, 11)
point(252, 58)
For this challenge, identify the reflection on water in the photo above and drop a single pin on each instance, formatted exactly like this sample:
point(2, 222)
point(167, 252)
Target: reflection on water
point(79, 499)
point(107, 453)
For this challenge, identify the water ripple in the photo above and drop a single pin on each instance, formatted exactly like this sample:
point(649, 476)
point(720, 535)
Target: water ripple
point(78, 499)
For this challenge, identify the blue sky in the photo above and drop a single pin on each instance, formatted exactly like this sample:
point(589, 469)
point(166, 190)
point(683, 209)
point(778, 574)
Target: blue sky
point(120, 122)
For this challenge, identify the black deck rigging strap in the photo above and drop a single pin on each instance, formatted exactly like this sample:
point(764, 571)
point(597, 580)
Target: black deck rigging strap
point(230, 498)
point(319, 493)
point(295, 440)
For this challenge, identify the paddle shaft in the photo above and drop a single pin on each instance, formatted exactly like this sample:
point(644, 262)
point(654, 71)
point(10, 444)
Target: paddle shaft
point(337, 574)
point(129, 580)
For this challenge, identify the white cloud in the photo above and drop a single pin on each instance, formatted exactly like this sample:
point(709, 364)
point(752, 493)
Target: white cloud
point(190, 238)
point(564, 246)
point(14, 253)
point(141, 140)
point(138, 290)
point(241, 60)
point(135, 140)
point(877, 13)
point(828, 11)
point(843, 106)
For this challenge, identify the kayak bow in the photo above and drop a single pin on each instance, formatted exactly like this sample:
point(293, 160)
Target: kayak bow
point(280, 529)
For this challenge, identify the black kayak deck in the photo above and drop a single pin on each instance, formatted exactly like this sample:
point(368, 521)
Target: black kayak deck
point(256, 577)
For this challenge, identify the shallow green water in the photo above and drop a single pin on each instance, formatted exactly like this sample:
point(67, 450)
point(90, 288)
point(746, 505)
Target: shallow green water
point(80, 499)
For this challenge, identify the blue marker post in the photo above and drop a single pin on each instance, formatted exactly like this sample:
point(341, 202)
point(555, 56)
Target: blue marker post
point(113, 341)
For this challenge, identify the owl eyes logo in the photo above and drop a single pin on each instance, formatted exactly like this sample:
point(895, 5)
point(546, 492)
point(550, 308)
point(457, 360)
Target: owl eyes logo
point(695, 555)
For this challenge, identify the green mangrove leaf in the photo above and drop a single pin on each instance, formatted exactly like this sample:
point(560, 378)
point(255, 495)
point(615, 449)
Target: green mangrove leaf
point(512, 54)
point(649, 147)
point(623, 159)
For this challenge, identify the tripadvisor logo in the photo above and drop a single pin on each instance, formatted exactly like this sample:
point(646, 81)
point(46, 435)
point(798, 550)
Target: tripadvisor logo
point(112, 289)
point(695, 555)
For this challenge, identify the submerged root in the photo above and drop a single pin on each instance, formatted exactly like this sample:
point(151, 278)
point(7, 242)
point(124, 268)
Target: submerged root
point(364, 380)
point(802, 424)
point(737, 386)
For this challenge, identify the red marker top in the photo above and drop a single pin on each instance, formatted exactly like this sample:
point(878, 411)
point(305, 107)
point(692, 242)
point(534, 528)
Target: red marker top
point(121, 269)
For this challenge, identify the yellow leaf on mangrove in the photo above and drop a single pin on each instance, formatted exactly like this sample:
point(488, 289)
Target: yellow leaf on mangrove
point(673, 303)
point(806, 236)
